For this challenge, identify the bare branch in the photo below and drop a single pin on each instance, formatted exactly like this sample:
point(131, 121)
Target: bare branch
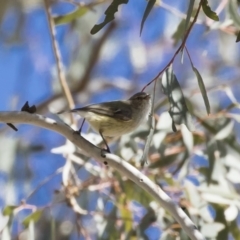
point(57, 54)
point(112, 160)
point(181, 47)
point(82, 83)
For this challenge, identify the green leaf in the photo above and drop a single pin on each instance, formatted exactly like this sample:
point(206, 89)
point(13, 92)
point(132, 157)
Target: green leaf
point(220, 219)
point(111, 10)
point(181, 165)
point(211, 148)
point(234, 229)
point(137, 195)
point(146, 13)
point(178, 34)
point(71, 16)
point(225, 131)
point(189, 13)
point(146, 221)
point(32, 217)
point(126, 213)
point(233, 11)
point(202, 89)
point(178, 107)
point(8, 210)
point(187, 137)
point(208, 11)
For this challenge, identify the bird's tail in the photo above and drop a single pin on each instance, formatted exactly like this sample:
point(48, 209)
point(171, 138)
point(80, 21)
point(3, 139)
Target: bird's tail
point(64, 111)
point(67, 111)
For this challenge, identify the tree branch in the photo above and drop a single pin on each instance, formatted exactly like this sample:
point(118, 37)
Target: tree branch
point(57, 55)
point(181, 47)
point(83, 81)
point(112, 160)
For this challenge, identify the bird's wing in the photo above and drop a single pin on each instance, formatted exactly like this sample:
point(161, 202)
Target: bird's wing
point(109, 109)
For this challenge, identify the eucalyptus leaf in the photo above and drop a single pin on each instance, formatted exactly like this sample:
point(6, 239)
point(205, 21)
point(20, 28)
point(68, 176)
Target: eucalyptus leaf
point(8, 210)
point(125, 213)
point(202, 89)
point(233, 11)
point(187, 138)
point(210, 230)
point(178, 34)
point(234, 229)
point(67, 18)
point(208, 11)
point(189, 13)
point(225, 131)
point(32, 217)
point(231, 213)
point(148, 9)
point(178, 108)
point(158, 139)
point(211, 149)
point(110, 12)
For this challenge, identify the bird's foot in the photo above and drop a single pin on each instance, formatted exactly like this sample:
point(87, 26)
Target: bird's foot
point(104, 151)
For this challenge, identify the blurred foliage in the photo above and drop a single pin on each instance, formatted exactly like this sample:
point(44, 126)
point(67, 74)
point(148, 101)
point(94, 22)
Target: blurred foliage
point(192, 155)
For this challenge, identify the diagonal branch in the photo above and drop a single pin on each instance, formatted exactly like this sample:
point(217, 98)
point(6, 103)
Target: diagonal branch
point(111, 160)
point(60, 70)
point(181, 47)
point(94, 55)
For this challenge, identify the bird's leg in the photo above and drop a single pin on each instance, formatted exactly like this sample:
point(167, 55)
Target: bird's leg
point(80, 129)
point(105, 142)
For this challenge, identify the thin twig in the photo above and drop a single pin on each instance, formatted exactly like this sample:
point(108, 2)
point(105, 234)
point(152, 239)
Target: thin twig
point(189, 56)
point(176, 12)
point(82, 83)
point(57, 54)
point(180, 47)
point(94, 56)
point(47, 179)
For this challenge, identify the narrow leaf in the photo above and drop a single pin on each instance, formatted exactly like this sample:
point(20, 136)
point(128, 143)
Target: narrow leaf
point(202, 89)
point(234, 229)
point(125, 212)
point(8, 210)
point(187, 138)
point(233, 11)
point(67, 18)
point(146, 13)
point(208, 11)
point(178, 107)
point(178, 34)
point(111, 10)
point(32, 217)
point(189, 13)
point(211, 148)
point(225, 131)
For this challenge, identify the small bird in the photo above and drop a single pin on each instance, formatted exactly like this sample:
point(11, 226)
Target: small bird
point(116, 118)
